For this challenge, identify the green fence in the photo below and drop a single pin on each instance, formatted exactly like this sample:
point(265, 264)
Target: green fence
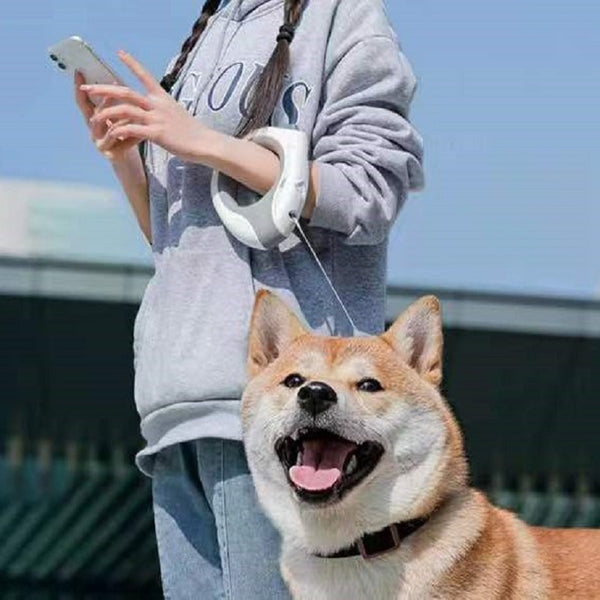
point(75, 525)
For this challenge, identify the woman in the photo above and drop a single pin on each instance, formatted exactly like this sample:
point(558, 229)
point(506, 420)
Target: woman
point(331, 68)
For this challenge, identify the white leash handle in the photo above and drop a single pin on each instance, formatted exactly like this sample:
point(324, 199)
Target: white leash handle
point(267, 222)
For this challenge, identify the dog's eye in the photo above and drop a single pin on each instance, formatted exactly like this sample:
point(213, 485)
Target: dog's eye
point(293, 381)
point(369, 385)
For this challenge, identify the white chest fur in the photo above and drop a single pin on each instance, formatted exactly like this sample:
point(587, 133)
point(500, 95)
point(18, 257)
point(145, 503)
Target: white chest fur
point(353, 578)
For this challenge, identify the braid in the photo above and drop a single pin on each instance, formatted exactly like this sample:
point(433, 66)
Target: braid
point(268, 88)
point(210, 8)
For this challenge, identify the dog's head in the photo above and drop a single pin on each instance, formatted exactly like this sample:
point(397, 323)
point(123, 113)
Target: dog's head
point(348, 435)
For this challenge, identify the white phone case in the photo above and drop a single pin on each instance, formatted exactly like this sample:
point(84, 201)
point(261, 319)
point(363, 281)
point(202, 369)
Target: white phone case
point(73, 54)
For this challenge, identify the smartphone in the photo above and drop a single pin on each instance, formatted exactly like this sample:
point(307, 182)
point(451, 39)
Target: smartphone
point(73, 54)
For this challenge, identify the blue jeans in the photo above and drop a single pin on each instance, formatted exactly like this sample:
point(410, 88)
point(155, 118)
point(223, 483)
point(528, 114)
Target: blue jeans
point(213, 539)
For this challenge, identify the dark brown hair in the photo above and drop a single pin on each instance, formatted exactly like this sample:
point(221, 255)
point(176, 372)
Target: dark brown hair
point(210, 8)
point(268, 87)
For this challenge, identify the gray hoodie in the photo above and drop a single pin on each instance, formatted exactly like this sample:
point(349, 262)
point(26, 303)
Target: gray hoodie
point(349, 87)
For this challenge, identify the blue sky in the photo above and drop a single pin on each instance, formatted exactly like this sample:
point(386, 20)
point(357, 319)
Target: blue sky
point(507, 104)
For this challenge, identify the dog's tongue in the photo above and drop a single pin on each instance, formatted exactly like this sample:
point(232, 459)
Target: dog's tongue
point(322, 464)
point(314, 480)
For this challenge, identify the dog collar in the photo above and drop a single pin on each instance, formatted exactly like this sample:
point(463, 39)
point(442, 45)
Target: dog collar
point(380, 542)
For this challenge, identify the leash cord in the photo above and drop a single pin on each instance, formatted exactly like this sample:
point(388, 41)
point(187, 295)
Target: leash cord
point(294, 218)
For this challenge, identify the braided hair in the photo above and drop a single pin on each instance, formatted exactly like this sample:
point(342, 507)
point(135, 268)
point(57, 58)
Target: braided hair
point(208, 10)
point(270, 83)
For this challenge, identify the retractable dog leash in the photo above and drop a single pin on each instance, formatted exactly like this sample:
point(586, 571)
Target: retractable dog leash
point(274, 217)
point(268, 222)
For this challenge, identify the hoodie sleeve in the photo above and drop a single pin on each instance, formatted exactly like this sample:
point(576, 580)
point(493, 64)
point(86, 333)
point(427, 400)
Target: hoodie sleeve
point(367, 153)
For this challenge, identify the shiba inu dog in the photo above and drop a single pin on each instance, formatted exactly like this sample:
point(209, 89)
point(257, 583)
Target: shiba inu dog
point(359, 462)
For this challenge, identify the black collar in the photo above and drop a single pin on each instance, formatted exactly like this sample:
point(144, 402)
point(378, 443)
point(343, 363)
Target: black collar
point(380, 542)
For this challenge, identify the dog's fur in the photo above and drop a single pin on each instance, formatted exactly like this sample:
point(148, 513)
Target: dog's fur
point(468, 549)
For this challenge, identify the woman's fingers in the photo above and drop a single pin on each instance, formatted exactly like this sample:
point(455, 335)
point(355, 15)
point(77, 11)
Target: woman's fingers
point(118, 116)
point(86, 106)
point(105, 143)
point(109, 145)
point(115, 124)
point(98, 128)
point(118, 92)
point(121, 112)
point(147, 80)
point(130, 130)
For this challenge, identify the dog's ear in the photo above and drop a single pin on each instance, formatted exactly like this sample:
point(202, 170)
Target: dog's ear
point(273, 327)
point(417, 336)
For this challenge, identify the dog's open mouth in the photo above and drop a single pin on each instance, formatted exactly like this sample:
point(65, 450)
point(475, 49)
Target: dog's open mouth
point(322, 466)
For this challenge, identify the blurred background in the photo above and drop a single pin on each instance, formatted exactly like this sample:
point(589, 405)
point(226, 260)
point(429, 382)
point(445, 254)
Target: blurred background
point(505, 234)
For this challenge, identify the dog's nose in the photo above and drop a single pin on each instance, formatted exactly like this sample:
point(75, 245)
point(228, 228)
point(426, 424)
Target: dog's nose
point(316, 397)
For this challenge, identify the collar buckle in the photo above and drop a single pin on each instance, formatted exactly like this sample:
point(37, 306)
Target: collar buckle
point(390, 547)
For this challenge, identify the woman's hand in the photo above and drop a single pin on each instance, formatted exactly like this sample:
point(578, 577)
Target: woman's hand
point(114, 149)
point(155, 116)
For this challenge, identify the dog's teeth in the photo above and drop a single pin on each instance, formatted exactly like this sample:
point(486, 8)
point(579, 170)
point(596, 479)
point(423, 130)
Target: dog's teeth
point(299, 459)
point(351, 466)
